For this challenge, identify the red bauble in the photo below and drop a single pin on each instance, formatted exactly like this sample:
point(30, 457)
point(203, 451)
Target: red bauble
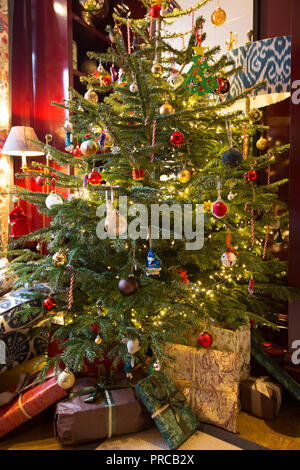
point(49, 303)
point(138, 174)
point(94, 177)
point(251, 176)
point(177, 138)
point(155, 11)
point(77, 152)
point(40, 180)
point(205, 340)
point(219, 209)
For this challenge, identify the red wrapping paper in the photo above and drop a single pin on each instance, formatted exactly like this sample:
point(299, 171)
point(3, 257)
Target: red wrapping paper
point(29, 404)
point(90, 369)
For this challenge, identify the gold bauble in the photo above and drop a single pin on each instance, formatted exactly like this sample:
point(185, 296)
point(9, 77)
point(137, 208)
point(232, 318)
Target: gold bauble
point(166, 108)
point(218, 17)
point(66, 379)
point(262, 144)
point(108, 140)
point(98, 340)
point(88, 148)
point(157, 70)
point(184, 176)
point(255, 115)
point(59, 259)
point(91, 96)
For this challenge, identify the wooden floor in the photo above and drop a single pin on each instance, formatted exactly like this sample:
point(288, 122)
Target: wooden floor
point(281, 434)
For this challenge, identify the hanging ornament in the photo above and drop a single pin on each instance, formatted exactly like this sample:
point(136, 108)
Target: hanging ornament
point(77, 152)
point(207, 206)
point(184, 176)
point(88, 148)
point(262, 144)
point(66, 379)
point(133, 346)
point(18, 220)
point(134, 87)
point(231, 196)
point(105, 81)
point(59, 258)
point(175, 79)
point(232, 158)
point(115, 224)
point(98, 340)
point(113, 73)
point(157, 69)
point(108, 141)
point(177, 139)
point(94, 177)
point(53, 199)
point(228, 259)
point(166, 109)
point(219, 209)
point(184, 276)
point(218, 17)
point(255, 115)
point(121, 78)
point(138, 174)
point(49, 303)
point(91, 96)
point(205, 340)
point(153, 264)
point(40, 180)
point(155, 11)
point(251, 176)
point(128, 286)
point(224, 86)
point(251, 286)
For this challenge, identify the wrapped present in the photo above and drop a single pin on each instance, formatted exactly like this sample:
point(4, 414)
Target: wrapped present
point(98, 411)
point(275, 370)
point(11, 377)
point(238, 341)
point(26, 401)
point(168, 407)
point(209, 380)
point(261, 397)
point(17, 345)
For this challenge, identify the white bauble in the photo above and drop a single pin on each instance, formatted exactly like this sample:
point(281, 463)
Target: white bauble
point(88, 148)
point(231, 196)
point(53, 199)
point(66, 379)
point(91, 96)
point(68, 126)
point(228, 259)
point(133, 87)
point(115, 224)
point(175, 79)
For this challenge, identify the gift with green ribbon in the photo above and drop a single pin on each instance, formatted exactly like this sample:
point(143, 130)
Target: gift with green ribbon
point(97, 410)
point(168, 408)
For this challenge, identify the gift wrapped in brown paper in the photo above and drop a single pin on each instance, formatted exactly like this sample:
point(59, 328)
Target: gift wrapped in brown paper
point(261, 397)
point(237, 341)
point(98, 411)
point(209, 380)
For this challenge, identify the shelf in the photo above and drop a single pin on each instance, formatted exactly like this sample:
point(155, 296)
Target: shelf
point(91, 29)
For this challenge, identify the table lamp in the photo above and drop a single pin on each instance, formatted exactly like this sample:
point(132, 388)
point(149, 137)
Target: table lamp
point(17, 144)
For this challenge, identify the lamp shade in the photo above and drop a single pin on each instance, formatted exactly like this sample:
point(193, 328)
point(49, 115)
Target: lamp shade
point(268, 60)
point(17, 142)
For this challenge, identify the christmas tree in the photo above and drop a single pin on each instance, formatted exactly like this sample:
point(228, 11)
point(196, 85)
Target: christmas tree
point(140, 133)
